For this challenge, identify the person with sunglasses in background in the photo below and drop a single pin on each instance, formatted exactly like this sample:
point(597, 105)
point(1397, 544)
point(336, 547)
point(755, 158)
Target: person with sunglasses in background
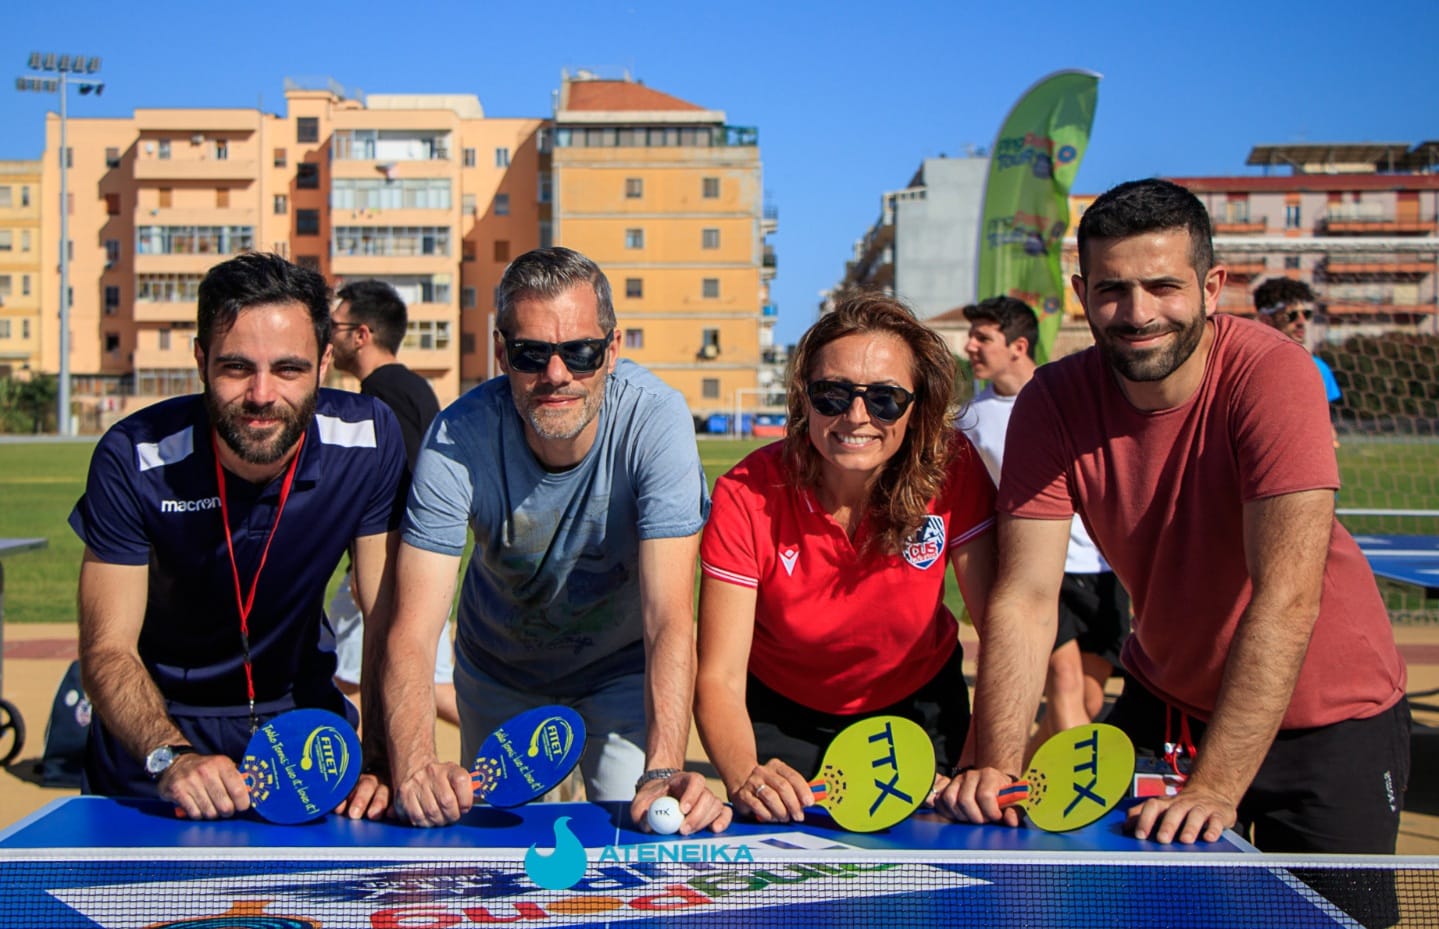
point(579, 475)
point(822, 588)
point(1288, 306)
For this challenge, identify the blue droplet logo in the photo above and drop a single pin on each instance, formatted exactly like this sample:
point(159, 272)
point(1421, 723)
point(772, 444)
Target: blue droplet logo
point(561, 868)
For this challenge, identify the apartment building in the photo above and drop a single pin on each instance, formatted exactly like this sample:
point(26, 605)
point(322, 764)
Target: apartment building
point(1359, 221)
point(424, 192)
point(20, 278)
point(668, 199)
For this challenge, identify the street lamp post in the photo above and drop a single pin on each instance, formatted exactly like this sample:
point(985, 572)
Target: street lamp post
point(71, 69)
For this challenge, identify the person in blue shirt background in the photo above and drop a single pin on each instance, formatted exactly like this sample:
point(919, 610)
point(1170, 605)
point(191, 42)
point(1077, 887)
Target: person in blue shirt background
point(1288, 305)
point(212, 524)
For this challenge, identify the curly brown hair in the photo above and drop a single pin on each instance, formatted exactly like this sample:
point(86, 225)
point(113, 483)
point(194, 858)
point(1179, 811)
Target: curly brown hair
point(916, 474)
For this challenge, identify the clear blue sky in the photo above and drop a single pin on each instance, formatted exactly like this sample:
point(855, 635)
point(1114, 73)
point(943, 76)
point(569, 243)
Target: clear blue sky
point(849, 97)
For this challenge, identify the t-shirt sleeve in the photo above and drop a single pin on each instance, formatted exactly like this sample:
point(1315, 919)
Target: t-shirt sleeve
point(385, 508)
point(1035, 483)
point(727, 548)
point(108, 516)
point(1280, 421)
point(969, 493)
point(438, 510)
point(671, 491)
point(1331, 386)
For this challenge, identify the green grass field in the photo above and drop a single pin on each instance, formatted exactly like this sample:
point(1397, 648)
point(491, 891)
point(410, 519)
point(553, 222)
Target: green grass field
point(40, 482)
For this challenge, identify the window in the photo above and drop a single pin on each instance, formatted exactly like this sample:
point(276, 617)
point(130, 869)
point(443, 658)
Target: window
point(69, 156)
point(308, 262)
point(24, 328)
point(6, 283)
point(709, 388)
point(167, 288)
point(502, 157)
point(634, 338)
point(307, 176)
point(1291, 262)
point(634, 287)
point(280, 159)
point(112, 299)
point(467, 250)
point(547, 187)
point(112, 204)
point(427, 334)
point(164, 340)
point(502, 249)
point(4, 328)
point(709, 343)
point(547, 234)
point(634, 188)
point(467, 343)
point(167, 196)
point(468, 205)
point(709, 287)
point(634, 238)
point(112, 252)
point(1291, 216)
point(502, 204)
point(709, 238)
point(112, 342)
point(307, 129)
point(70, 204)
point(468, 156)
point(164, 149)
point(222, 150)
point(25, 292)
point(469, 298)
point(392, 240)
point(222, 198)
point(5, 196)
point(112, 158)
point(282, 204)
point(400, 194)
point(24, 196)
point(307, 222)
point(709, 187)
point(7, 240)
point(69, 249)
point(24, 240)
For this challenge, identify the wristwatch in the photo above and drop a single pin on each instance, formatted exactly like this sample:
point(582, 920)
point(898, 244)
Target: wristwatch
point(159, 760)
point(656, 774)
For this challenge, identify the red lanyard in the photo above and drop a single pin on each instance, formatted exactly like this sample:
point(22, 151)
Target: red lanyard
point(242, 602)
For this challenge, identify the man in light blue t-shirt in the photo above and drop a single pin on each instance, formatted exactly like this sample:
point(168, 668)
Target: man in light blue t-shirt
point(1288, 305)
point(579, 476)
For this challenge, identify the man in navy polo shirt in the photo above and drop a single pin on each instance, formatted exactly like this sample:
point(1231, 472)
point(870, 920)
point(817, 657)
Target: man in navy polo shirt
point(212, 524)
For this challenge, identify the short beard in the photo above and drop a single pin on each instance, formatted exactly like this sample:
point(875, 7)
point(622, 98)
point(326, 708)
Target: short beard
point(1155, 364)
point(262, 452)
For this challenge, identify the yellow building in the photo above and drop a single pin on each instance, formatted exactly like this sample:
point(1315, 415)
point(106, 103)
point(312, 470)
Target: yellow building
point(668, 199)
point(420, 191)
point(20, 278)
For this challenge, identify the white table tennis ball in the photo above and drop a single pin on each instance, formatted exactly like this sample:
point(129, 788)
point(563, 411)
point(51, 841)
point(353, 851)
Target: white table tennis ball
point(664, 816)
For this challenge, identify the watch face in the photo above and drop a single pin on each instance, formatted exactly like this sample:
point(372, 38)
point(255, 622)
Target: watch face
point(158, 761)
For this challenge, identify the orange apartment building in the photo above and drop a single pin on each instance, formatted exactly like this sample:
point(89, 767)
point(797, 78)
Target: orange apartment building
point(20, 277)
point(669, 200)
point(423, 191)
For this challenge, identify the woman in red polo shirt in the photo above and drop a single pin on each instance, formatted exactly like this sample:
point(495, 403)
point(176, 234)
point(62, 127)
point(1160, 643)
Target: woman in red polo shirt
point(822, 594)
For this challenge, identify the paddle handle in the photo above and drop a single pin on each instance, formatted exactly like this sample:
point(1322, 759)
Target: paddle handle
point(1015, 793)
point(818, 791)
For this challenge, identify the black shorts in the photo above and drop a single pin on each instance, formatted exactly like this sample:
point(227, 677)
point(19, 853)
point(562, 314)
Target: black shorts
point(1335, 789)
point(798, 735)
point(1094, 609)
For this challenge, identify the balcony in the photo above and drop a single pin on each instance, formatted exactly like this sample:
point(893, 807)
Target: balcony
point(1371, 222)
point(1341, 307)
point(168, 311)
point(196, 169)
point(1241, 227)
point(1246, 267)
point(1354, 266)
point(361, 265)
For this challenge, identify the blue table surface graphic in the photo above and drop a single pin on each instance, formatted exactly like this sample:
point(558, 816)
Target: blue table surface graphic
point(88, 862)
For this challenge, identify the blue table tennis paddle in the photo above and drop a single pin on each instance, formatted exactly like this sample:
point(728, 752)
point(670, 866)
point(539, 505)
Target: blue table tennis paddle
point(300, 765)
point(528, 755)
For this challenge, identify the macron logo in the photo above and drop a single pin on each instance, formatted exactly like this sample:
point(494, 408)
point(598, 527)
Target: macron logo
point(189, 506)
point(788, 558)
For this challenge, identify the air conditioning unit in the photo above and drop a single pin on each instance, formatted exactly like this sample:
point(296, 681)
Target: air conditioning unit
point(197, 139)
point(709, 351)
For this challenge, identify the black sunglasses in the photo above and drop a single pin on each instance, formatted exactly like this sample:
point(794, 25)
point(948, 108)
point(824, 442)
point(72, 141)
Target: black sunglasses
point(885, 402)
point(581, 356)
point(1294, 315)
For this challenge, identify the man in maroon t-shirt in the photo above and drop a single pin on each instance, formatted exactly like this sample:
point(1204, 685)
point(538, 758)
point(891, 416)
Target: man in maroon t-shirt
point(1197, 451)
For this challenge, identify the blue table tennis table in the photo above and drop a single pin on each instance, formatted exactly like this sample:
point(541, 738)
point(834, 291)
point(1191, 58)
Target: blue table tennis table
point(1408, 559)
point(85, 862)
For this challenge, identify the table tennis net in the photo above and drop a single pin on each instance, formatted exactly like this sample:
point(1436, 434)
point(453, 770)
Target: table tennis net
point(269, 889)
